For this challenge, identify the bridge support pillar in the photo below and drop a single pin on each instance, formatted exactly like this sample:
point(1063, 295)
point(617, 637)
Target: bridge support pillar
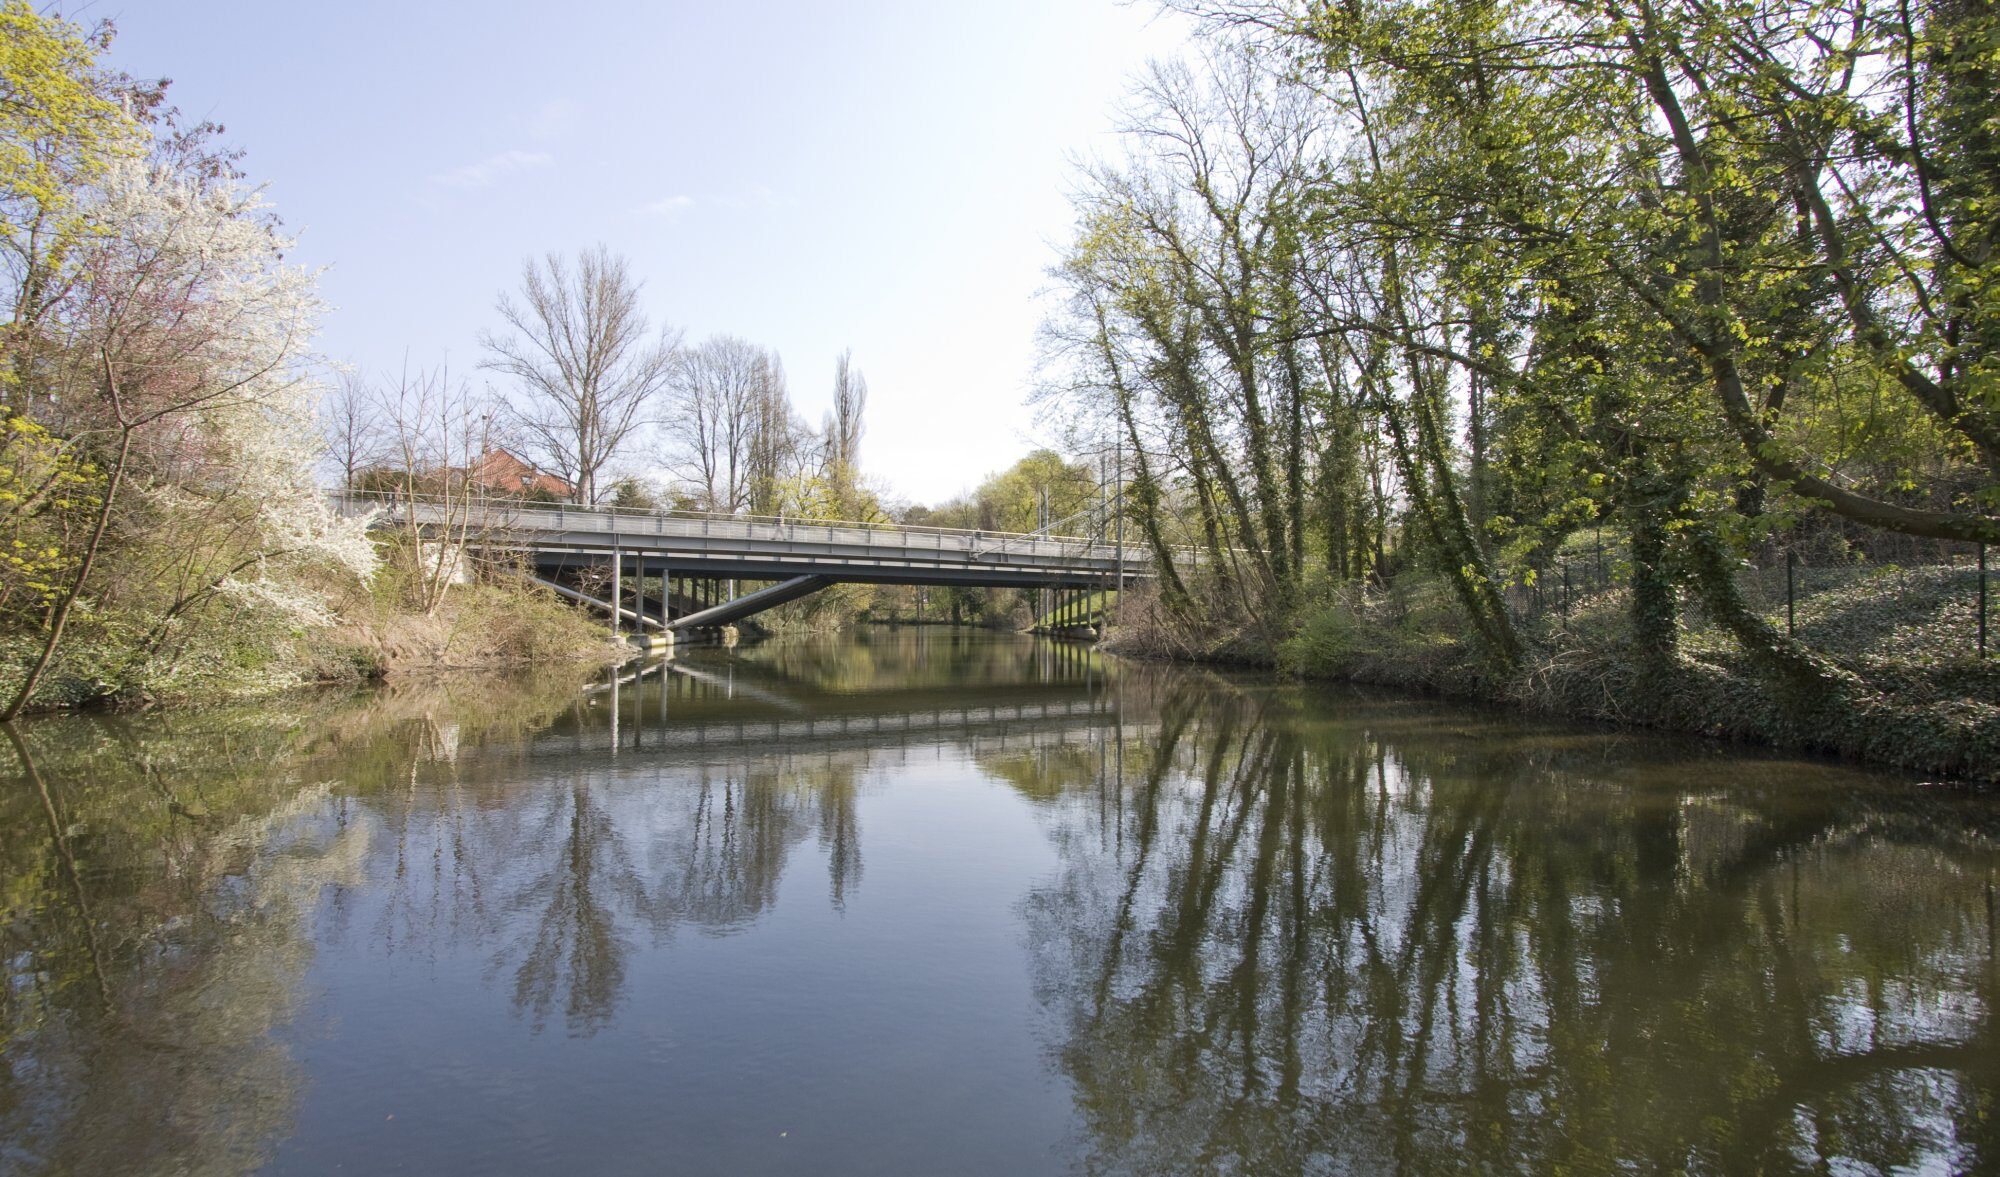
point(617, 592)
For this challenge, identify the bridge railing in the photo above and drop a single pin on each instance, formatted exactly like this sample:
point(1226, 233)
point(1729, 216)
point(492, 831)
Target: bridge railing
point(973, 543)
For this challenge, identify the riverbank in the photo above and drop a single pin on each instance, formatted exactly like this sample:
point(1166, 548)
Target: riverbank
point(485, 626)
point(1905, 700)
point(373, 634)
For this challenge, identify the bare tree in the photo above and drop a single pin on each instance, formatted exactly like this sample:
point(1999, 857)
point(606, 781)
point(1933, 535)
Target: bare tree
point(586, 367)
point(352, 422)
point(730, 432)
point(437, 430)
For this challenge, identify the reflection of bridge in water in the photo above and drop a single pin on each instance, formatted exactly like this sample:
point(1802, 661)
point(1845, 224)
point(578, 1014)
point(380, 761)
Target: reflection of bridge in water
point(730, 706)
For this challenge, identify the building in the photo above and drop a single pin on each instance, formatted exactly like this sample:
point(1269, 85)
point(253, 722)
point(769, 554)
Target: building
point(502, 472)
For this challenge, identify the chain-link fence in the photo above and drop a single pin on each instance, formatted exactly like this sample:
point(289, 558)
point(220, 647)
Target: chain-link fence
point(1934, 602)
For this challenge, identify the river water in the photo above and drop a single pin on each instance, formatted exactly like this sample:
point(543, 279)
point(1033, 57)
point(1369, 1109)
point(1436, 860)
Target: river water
point(940, 902)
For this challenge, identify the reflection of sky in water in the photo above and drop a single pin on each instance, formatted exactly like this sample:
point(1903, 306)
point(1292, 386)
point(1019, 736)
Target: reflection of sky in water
point(975, 903)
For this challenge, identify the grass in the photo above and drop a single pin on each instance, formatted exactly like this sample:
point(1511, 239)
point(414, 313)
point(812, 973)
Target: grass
point(502, 622)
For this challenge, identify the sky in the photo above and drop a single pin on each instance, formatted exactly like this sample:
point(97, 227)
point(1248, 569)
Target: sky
point(890, 177)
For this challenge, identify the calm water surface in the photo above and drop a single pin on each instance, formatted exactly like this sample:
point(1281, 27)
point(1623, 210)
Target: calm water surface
point(945, 903)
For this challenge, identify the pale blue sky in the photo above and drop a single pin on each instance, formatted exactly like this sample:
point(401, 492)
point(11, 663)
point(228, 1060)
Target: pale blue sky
point(889, 176)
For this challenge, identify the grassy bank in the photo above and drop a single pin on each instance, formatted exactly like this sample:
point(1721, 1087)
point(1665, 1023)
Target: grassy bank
point(495, 624)
point(1914, 695)
point(499, 622)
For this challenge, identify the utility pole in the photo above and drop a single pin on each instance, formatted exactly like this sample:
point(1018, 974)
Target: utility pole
point(1042, 600)
point(1118, 452)
point(1103, 493)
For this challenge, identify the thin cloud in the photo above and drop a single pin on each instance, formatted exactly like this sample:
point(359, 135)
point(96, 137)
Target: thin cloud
point(672, 206)
point(753, 198)
point(493, 169)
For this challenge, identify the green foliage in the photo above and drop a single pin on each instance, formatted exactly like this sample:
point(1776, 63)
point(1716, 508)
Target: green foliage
point(61, 123)
point(1323, 646)
point(809, 494)
point(1012, 500)
point(633, 494)
point(46, 492)
point(1391, 325)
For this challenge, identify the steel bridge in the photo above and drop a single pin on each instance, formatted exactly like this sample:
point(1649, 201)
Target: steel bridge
point(711, 554)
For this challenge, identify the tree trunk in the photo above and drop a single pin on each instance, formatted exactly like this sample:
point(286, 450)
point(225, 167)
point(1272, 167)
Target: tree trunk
point(60, 619)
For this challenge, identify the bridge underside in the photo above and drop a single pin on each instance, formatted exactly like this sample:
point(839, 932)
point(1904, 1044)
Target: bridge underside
point(782, 584)
point(784, 580)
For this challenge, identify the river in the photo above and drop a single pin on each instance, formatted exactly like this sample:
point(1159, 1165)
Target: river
point(949, 902)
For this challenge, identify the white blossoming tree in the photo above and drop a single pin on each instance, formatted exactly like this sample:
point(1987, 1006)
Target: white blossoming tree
point(176, 360)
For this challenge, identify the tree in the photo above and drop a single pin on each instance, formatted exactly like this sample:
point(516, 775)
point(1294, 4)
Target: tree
point(437, 432)
point(1186, 324)
point(63, 121)
point(586, 369)
point(1464, 279)
point(730, 429)
point(844, 428)
point(174, 359)
point(778, 439)
point(1040, 489)
point(351, 419)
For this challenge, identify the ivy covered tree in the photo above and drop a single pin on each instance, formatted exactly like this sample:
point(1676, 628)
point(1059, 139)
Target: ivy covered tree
point(1384, 285)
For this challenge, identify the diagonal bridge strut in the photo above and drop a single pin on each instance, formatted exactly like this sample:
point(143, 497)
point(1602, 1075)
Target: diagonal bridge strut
point(715, 616)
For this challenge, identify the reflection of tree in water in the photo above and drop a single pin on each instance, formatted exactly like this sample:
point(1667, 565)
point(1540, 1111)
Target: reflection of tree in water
point(563, 876)
point(575, 948)
point(1288, 946)
point(604, 865)
point(840, 832)
point(159, 876)
point(141, 1010)
point(725, 861)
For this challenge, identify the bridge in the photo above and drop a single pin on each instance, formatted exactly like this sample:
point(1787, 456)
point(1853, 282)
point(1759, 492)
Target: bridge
point(711, 554)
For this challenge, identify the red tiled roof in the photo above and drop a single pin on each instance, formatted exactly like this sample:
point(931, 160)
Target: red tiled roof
point(498, 469)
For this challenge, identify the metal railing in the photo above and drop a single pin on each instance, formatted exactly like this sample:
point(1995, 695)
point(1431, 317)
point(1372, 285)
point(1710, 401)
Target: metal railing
point(389, 498)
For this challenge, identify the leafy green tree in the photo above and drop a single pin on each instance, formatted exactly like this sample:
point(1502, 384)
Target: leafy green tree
point(63, 120)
